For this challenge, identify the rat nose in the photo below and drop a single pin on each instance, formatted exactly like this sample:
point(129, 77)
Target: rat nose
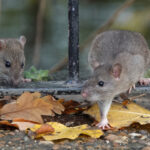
point(84, 94)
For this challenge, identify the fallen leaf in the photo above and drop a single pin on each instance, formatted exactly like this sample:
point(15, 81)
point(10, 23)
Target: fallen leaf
point(63, 132)
point(72, 107)
point(36, 95)
point(22, 126)
point(8, 123)
point(119, 116)
point(6, 99)
point(125, 103)
point(3, 102)
point(70, 104)
point(44, 129)
point(30, 106)
point(56, 106)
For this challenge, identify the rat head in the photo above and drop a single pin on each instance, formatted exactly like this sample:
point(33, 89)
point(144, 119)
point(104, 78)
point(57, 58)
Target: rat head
point(12, 60)
point(103, 85)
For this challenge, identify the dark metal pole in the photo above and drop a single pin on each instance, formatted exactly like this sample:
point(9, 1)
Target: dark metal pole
point(73, 17)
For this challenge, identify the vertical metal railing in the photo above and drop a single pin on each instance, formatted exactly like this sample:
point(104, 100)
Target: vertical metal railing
point(73, 17)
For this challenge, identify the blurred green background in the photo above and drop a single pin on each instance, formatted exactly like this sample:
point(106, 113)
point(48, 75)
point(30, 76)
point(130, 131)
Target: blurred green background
point(19, 17)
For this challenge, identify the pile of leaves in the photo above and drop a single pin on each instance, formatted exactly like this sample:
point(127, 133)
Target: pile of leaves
point(34, 113)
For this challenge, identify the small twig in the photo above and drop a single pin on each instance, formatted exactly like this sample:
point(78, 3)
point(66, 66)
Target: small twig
point(107, 25)
point(135, 97)
point(39, 32)
point(127, 99)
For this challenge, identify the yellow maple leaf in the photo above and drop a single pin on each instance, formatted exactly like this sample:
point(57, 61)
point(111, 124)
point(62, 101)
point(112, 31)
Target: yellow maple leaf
point(119, 116)
point(63, 132)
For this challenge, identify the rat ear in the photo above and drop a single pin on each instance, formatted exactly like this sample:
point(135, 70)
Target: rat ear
point(2, 44)
point(22, 40)
point(116, 71)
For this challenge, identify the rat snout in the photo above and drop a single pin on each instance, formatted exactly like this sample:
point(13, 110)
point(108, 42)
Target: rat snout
point(84, 95)
point(15, 82)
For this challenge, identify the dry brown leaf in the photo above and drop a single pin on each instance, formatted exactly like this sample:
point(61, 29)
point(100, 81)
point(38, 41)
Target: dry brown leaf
point(36, 95)
point(44, 129)
point(8, 123)
point(23, 120)
point(72, 107)
point(6, 99)
point(71, 104)
point(2, 103)
point(30, 106)
point(119, 116)
point(57, 107)
point(22, 126)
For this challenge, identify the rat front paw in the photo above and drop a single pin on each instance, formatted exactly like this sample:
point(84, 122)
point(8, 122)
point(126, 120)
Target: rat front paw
point(104, 125)
point(131, 87)
point(25, 80)
point(144, 81)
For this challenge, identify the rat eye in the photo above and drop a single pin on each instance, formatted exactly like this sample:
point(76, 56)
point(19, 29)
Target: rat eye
point(22, 65)
point(7, 64)
point(101, 83)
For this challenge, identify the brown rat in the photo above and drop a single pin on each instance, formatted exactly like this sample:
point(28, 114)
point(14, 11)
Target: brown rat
point(12, 60)
point(118, 60)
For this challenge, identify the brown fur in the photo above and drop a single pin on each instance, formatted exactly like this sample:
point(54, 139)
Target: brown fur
point(12, 50)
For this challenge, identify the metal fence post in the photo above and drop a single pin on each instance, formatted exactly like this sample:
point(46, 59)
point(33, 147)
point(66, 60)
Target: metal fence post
point(73, 50)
